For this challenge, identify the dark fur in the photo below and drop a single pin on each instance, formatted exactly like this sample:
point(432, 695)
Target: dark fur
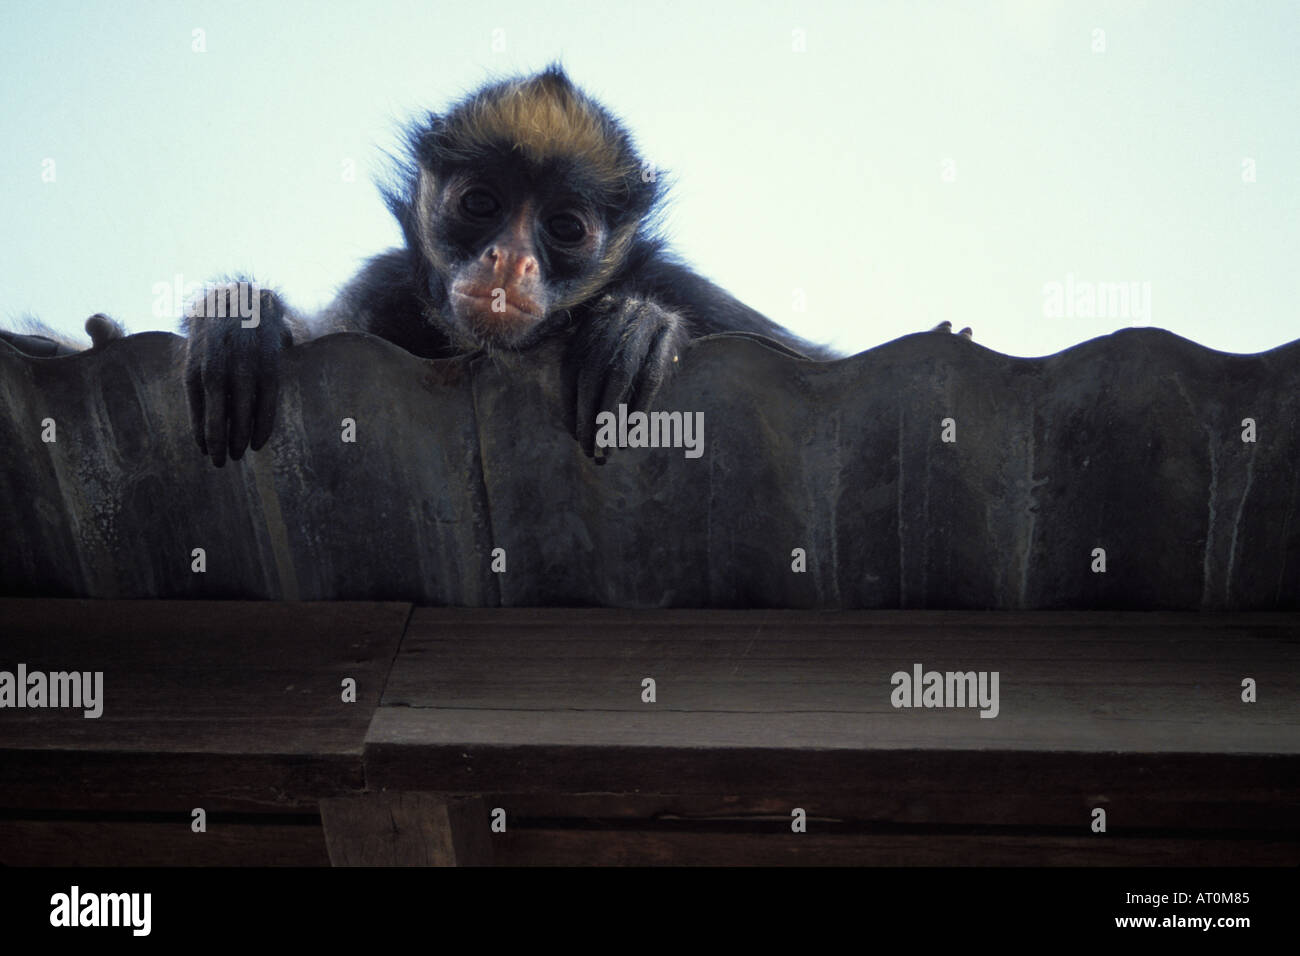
point(628, 306)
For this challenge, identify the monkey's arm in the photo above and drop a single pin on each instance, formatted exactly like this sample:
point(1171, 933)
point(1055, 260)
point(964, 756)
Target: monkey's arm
point(390, 298)
point(627, 343)
point(624, 348)
point(232, 363)
point(708, 308)
point(235, 334)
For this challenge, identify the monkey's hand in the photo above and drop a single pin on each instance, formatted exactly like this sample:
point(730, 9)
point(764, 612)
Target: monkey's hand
point(236, 333)
point(621, 353)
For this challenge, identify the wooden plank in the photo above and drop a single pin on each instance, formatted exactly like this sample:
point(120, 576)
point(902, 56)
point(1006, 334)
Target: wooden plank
point(170, 781)
point(219, 704)
point(234, 705)
point(1123, 676)
point(406, 829)
point(523, 847)
point(109, 843)
point(1136, 712)
point(925, 784)
point(1237, 808)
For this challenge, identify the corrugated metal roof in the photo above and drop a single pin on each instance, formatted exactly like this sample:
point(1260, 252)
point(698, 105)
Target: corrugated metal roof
point(1131, 443)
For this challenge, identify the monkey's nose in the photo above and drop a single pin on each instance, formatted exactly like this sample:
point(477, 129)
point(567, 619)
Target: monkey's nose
point(512, 267)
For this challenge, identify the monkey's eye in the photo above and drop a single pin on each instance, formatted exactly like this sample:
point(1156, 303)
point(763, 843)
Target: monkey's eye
point(479, 204)
point(566, 227)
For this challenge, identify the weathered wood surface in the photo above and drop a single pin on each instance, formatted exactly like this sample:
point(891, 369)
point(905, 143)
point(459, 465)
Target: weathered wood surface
point(406, 829)
point(35, 842)
point(1131, 442)
point(632, 847)
point(236, 707)
point(1137, 713)
point(220, 705)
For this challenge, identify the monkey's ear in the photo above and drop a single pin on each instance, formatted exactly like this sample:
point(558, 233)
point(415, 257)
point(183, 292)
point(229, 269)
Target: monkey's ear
point(422, 141)
point(401, 199)
point(400, 188)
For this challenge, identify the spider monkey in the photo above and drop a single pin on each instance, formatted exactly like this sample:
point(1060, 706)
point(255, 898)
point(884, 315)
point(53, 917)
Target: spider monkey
point(526, 212)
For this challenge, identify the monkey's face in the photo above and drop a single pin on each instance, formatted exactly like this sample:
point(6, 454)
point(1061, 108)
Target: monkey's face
point(513, 255)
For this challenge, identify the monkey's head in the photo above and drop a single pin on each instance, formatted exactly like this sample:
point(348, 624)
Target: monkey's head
point(520, 203)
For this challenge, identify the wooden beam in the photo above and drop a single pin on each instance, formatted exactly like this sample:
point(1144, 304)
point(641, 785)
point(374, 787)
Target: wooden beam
point(406, 829)
point(1136, 713)
point(631, 847)
point(224, 705)
point(113, 843)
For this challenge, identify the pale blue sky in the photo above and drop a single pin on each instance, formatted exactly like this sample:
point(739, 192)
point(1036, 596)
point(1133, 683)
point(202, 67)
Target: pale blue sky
point(820, 171)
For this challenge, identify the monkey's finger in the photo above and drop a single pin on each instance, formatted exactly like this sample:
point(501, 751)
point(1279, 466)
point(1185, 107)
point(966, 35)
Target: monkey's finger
point(268, 390)
point(641, 365)
point(215, 423)
point(617, 388)
point(243, 386)
point(589, 385)
point(569, 393)
point(613, 389)
point(194, 392)
point(595, 389)
point(654, 370)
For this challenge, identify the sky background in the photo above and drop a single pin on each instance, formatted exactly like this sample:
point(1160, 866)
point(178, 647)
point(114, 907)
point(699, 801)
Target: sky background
point(915, 162)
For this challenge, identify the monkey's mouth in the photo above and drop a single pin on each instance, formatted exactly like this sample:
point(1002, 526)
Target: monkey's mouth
point(495, 317)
